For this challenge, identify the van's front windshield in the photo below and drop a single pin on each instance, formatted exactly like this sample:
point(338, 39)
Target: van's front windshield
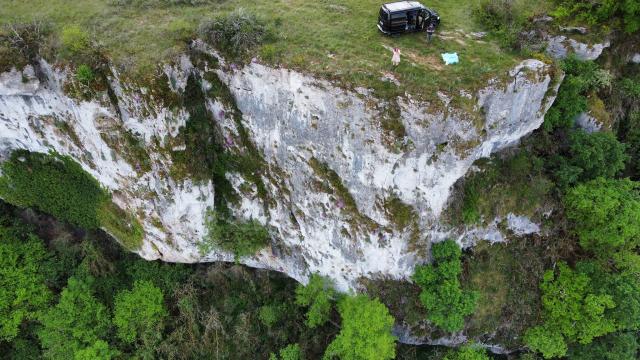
point(383, 14)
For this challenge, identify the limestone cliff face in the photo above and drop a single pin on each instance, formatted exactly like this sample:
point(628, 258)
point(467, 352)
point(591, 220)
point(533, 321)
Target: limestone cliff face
point(334, 171)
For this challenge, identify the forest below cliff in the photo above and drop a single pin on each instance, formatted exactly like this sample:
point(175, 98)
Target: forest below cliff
point(68, 290)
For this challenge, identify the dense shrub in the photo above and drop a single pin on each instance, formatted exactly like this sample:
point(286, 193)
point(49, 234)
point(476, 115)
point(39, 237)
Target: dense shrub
point(242, 238)
point(446, 302)
point(74, 39)
point(589, 156)
point(235, 33)
point(58, 185)
point(54, 184)
point(467, 352)
point(511, 184)
point(84, 74)
point(21, 43)
point(504, 18)
point(631, 88)
point(581, 78)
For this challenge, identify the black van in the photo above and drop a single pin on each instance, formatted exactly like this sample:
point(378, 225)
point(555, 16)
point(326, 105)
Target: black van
point(406, 16)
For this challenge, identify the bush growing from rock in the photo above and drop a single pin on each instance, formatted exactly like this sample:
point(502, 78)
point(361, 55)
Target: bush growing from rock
point(74, 39)
point(236, 33)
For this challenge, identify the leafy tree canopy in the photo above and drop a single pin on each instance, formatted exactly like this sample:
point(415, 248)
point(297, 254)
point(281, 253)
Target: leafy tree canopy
point(100, 350)
point(318, 295)
point(290, 352)
point(23, 293)
point(139, 312)
point(447, 304)
point(605, 214)
point(77, 322)
point(572, 311)
point(365, 332)
point(467, 353)
point(590, 156)
point(616, 346)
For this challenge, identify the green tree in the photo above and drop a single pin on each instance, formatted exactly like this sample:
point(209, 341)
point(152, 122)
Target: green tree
point(77, 322)
point(605, 214)
point(623, 285)
point(318, 295)
point(100, 350)
point(590, 156)
point(616, 346)
point(289, 352)
point(447, 304)
point(365, 332)
point(632, 139)
point(269, 315)
point(139, 313)
point(572, 311)
point(23, 293)
point(546, 340)
point(467, 352)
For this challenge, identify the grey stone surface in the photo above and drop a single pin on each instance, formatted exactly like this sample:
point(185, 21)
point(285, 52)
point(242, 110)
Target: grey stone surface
point(291, 118)
point(559, 47)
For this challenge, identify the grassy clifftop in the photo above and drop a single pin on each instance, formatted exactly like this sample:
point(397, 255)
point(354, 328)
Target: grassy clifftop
point(334, 39)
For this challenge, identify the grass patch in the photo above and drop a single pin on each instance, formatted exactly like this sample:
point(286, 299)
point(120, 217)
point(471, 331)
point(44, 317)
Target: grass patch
point(130, 147)
point(337, 40)
point(506, 277)
point(121, 225)
point(59, 186)
point(403, 300)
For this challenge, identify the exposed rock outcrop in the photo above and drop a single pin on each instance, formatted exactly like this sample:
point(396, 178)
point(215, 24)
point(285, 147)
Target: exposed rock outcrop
point(559, 47)
point(309, 133)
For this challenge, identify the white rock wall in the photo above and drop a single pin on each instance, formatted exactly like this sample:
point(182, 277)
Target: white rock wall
point(291, 118)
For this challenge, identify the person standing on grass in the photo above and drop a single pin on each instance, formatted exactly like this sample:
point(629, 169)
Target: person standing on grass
point(395, 59)
point(431, 29)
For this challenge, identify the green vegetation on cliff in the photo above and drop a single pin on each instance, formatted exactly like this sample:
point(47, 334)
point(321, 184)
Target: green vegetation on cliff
point(58, 185)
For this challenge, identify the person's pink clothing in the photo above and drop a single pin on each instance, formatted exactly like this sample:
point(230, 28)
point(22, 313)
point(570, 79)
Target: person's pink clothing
point(395, 59)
